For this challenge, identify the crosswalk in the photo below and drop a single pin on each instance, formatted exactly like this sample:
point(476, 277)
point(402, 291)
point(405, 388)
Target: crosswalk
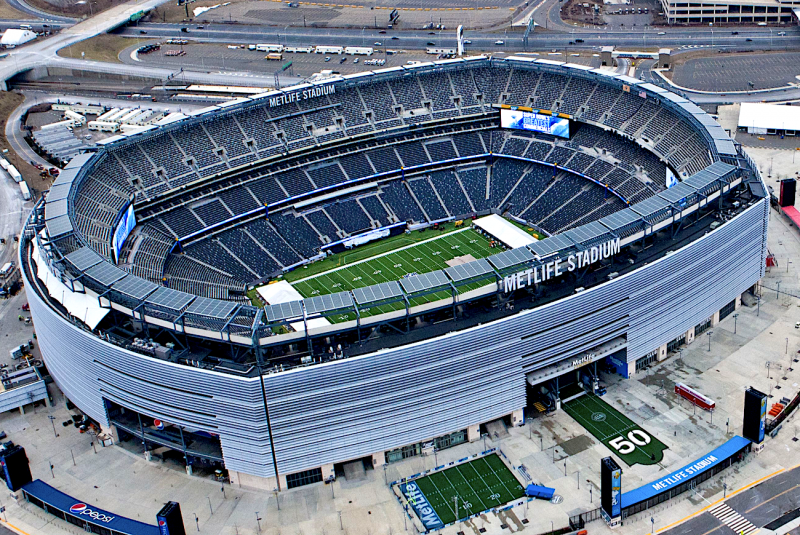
point(739, 524)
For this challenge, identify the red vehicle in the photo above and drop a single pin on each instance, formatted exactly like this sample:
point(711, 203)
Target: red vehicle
point(694, 396)
point(54, 171)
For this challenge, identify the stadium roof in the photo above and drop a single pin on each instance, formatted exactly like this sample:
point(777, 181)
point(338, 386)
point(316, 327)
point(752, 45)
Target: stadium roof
point(769, 116)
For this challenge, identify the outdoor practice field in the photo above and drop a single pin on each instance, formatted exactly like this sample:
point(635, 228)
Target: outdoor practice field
point(630, 442)
point(390, 259)
point(476, 486)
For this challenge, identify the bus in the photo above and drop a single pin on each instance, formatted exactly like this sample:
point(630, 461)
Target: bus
point(269, 48)
point(274, 56)
point(358, 50)
point(103, 126)
point(329, 49)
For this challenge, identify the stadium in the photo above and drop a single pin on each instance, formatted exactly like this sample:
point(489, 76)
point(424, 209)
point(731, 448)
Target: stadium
point(364, 267)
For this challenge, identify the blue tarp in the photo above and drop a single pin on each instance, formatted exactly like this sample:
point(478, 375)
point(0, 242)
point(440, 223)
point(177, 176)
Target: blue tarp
point(538, 491)
point(708, 461)
point(94, 515)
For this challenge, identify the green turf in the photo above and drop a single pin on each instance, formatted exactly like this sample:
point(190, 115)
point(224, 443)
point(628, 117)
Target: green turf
point(479, 485)
point(607, 424)
point(426, 251)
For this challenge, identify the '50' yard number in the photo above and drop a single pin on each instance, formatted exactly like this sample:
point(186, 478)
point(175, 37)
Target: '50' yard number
point(635, 436)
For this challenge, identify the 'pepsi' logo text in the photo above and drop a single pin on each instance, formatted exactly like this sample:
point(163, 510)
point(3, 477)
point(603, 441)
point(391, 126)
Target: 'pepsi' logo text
point(83, 510)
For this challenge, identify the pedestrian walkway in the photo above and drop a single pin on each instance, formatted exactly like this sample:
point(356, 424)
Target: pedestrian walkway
point(732, 519)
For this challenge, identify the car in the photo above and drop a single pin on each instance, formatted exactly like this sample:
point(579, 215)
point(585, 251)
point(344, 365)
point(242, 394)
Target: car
point(578, 40)
point(200, 27)
point(355, 60)
point(734, 33)
point(467, 42)
point(327, 58)
point(395, 38)
point(185, 30)
point(748, 40)
point(781, 34)
point(143, 32)
point(378, 43)
point(431, 33)
point(572, 42)
point(662, 33)
point(87, 136)
point(499, 42)
point(342, 60)
point(382, 31)
point(431, 43)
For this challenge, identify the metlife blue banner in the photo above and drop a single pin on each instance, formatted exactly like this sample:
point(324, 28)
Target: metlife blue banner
point(688, 472)
point(763, 423)
point(417, 500)
point(537, 122)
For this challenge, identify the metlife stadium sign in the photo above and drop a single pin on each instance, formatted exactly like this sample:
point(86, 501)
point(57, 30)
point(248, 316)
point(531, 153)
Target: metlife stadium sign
point(536, 122)
point(559, 266)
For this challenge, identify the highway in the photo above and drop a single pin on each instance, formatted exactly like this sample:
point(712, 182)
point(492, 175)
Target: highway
point(760, 38)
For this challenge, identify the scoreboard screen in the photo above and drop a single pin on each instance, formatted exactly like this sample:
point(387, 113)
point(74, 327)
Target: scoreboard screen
point(537, 122)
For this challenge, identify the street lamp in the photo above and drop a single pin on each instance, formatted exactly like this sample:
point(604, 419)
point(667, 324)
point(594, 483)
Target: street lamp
point(711, 25)
point(709, 333)
point(735, 315)
point(53, 421)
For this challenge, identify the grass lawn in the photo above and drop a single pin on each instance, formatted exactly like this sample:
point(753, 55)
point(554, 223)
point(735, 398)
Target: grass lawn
point(104, 47)
point(389, 260)
point(9, 13)
point(475, 486)
point(627, 440)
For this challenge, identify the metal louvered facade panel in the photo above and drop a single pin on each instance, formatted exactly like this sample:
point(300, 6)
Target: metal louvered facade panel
point(354, 407)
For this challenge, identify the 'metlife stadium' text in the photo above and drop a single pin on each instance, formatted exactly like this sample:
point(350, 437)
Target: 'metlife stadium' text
point(558, 267)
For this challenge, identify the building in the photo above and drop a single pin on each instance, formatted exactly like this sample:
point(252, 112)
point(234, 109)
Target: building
point(728, 12)
point(772, 119)
point(165, 349)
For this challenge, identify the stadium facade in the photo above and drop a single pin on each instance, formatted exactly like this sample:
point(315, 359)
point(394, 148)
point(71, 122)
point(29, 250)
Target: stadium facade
point(146, 351)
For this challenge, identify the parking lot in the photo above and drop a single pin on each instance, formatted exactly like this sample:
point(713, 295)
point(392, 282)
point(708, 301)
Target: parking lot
point(208, 57)
point(736, 73)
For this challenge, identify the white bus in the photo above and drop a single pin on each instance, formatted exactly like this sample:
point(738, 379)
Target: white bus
point(77, 118)
point(12, 171)
point(358, 50)
point(103, 126)
point(26, 192)
point(329, 49)
point(269, 48)
point(299, 49)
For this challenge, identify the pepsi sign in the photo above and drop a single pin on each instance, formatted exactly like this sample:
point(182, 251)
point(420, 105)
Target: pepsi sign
point(81, 509)
point(159, 424)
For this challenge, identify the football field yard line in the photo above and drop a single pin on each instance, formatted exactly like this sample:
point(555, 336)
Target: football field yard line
point(345, 266)
point(484, 482)
point(498, 477)
point(471, 488)
point(442, 499)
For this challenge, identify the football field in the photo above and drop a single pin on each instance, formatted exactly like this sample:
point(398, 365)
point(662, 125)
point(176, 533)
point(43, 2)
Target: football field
point(462, 491)
point(630, 442)
point(392, 259)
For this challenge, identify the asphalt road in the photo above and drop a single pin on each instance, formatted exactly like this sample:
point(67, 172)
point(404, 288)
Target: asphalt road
point(21, 5)
point(761, 38)
point(760, 505)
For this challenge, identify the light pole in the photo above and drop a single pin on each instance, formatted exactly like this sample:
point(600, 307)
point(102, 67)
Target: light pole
point(53, 421)
point(735, 315)
point(196, 521)
point(758, 310)
point(709, 333)
point(652, 525)
point(258, 521)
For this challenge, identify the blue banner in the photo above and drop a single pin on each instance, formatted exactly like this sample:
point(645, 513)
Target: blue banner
point(416, 498)
point(616, 491)
point(763, 422)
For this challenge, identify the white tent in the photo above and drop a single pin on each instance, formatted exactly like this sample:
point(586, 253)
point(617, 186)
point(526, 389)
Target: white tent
point(15, 37)
point(758, 118)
